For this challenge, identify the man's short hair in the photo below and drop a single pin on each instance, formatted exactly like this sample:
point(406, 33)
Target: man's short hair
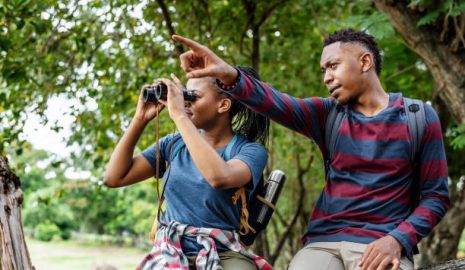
point(350, 35)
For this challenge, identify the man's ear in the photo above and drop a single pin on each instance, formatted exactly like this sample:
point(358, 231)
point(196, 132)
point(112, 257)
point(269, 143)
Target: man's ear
point(366, 61)
point(224, 105)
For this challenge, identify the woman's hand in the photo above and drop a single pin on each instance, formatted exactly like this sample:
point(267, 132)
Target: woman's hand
point(175, 98)
point(147, 111)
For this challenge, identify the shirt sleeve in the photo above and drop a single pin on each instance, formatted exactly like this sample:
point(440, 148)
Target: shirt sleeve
point(434, 195)
point(150, 154)
point(306, 116)
point(254, 156)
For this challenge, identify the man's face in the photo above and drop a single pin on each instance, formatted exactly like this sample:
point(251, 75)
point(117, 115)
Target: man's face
point(342, 67)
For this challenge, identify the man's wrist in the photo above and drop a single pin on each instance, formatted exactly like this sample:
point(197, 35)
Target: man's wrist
point(230, 79)
point(394, 240)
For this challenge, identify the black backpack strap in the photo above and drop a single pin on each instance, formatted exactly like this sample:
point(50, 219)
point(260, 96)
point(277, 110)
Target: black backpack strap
point(416, 121)
point(333, 122)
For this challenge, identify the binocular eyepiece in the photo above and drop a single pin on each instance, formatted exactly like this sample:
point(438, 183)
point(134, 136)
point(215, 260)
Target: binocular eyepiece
point(160, 91)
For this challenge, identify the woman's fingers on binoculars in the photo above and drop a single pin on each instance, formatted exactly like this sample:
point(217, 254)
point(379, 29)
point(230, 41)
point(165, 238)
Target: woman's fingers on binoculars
point(142, 90)
point(176, 80)
point(173, 88)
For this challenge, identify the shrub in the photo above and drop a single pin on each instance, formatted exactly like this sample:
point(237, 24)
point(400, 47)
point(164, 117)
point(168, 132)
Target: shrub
point(46, 231)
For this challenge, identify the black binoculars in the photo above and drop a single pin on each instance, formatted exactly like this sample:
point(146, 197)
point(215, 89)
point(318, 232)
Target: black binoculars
point(159, 92)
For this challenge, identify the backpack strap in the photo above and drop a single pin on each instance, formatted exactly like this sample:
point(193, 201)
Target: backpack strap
point(229, 148)
point(239, 194)
point(416, 121)
point(333, 122)
point(244, 219)
point(175, 146)
point(178, 143)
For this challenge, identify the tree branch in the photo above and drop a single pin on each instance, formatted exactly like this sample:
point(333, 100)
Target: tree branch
point(169, 24)
point(301, 171)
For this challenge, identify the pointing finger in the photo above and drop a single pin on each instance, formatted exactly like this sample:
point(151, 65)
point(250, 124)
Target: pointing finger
point(188, 42)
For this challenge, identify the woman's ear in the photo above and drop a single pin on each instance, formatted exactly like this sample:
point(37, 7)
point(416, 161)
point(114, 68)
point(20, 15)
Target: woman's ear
point(224, 105)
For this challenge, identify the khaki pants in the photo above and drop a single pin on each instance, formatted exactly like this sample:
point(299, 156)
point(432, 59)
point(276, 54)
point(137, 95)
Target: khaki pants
point(230, 260)
point(334, 256)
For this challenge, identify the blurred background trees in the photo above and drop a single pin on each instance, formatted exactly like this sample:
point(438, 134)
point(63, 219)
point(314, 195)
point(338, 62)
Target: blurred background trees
point(98, 54)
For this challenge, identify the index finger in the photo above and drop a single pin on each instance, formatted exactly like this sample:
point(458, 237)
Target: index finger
point(188, 42)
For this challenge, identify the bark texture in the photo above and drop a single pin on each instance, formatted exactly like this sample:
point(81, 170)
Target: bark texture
point(13, 250)
point(450, 265)
point(445, 62)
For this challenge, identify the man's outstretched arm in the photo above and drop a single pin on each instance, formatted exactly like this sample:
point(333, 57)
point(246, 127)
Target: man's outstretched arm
point(306, 116)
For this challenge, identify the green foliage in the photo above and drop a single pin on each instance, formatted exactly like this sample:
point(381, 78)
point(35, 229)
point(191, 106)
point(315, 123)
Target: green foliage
point(46, 231)
point(81, 205)
point(433, 10)
point(457, 134)
point(100, 53)
point(48, 208)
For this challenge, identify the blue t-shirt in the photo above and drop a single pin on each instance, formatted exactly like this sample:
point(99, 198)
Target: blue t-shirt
point(189, 197)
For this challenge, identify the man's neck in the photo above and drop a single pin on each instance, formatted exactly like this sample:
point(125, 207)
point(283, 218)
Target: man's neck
point(373, 100)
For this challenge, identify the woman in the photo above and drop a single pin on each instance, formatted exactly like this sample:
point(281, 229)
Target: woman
point(200, 224)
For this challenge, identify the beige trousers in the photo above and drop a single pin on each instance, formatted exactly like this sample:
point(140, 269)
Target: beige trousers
point(334, 256)
point(230, 260)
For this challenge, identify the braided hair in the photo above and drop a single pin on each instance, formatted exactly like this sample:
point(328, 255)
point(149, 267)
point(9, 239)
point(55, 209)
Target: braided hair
point(252, 125)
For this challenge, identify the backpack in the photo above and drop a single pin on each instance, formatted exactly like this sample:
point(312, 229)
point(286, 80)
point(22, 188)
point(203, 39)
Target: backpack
point(416, 122)
point(253, 219)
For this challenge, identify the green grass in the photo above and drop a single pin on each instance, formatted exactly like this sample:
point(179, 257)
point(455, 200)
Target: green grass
point(461, 248)
point(72, 255)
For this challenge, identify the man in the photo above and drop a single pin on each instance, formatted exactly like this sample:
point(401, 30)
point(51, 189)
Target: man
point(364, 218)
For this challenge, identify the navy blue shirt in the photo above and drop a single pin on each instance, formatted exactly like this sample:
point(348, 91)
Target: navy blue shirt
point(189, 197)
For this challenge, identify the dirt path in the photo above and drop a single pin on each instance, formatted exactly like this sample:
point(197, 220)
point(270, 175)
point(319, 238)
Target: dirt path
point(71, 256)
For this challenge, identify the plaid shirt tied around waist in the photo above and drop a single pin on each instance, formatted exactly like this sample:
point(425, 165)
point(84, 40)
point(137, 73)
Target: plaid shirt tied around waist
point(167, 252)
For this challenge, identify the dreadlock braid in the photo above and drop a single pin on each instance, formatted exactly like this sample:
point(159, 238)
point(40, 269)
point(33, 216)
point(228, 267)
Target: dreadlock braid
point(252, 125)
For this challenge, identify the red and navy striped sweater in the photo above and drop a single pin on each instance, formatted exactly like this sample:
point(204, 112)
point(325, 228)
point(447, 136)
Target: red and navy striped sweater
point(368, 188)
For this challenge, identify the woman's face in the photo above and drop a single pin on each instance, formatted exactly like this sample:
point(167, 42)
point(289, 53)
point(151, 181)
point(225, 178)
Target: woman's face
point(204, 112)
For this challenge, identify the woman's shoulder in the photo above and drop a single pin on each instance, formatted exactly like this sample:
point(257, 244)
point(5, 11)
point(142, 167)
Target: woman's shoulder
point(242, 143)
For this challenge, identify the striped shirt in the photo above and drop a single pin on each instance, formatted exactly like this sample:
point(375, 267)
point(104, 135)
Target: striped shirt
point(368, 187)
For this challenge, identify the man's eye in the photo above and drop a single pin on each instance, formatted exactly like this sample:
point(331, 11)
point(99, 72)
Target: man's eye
point(333, 66)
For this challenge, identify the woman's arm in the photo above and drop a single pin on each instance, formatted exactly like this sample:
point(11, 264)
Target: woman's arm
point(123, 169)
point(217, 172)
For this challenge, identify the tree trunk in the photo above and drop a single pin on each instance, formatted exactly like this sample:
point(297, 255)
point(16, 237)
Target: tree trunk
point(450, 265)
point(442, 243)
point(13, 251)
point(447, 66)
